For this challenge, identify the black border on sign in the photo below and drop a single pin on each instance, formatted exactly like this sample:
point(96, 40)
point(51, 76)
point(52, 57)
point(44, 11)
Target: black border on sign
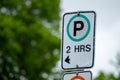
point(93, 40)
point(76, 73)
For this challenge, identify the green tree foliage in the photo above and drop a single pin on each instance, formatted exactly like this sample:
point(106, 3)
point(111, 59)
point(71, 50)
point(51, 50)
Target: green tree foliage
point(28, 48)
point(103, 76)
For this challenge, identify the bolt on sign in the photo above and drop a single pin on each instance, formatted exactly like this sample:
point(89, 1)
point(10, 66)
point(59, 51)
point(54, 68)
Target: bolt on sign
point(78, 76)
point(78, 40)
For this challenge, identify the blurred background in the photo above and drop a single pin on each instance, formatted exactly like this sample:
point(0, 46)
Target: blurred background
point(29, 41)
point(30, 36)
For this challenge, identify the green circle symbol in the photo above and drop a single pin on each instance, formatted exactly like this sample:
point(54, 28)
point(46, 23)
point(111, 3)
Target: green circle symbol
point(87, 32)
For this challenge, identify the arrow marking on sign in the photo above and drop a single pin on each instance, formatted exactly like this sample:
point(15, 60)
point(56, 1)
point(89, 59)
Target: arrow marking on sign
point(67, 60)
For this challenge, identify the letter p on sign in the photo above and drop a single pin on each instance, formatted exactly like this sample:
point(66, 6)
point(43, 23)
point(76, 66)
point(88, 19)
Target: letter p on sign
point(78, 25)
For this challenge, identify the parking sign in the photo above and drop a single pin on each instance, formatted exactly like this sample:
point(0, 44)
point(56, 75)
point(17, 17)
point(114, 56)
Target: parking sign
point(78, 40)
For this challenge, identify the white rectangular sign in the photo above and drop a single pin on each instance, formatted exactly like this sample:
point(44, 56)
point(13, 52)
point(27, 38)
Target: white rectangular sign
point(78, 76)
point(78, 40)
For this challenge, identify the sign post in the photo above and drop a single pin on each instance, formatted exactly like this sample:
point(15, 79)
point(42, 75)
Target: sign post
point(78, 40)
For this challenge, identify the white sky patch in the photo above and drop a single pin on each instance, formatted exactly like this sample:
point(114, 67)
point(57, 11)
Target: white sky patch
point(107, 47)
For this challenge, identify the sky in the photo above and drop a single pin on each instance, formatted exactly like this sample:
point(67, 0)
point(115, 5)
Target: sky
point(107, 29)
